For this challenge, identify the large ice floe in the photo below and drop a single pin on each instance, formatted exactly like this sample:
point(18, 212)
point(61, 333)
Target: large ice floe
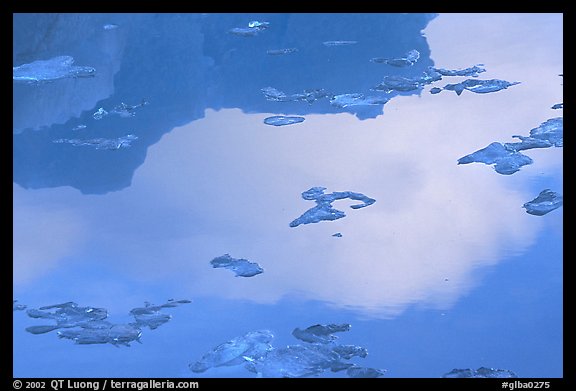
point(506, 156)
point(546, 202)
point(481, 372)
point(100, 143)
point(89, 325)
point(254, 350)
point(323, 211)
point(56, 68)
point(241, 267)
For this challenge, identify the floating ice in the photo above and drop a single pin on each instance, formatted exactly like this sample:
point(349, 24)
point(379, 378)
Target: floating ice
point(409, 59)
point(281, 120)
point(339, 43)
point(546, 202)
point(242, 267)
point(105, 332)
point(481, 372)
point(548, 134)
point(337, 235)
point(435, 90)
point(272, 94)
point(79, 127)
point(278, 52)
point(100, 113)
point(400, 83)
point(110, 26)
point(361, 372)
point(320, 333)
point(471, 71)
point(66, 315)
point(258, 25)
point(254, 27)
point(249, 347)
point(49, 70)
point(127, 111)
point(356, 99)
point(480, 86)
point(18, 307)
point(100, 143)
point(558, 106)
point(323, 209)
point(506, 160)
point(150, 315)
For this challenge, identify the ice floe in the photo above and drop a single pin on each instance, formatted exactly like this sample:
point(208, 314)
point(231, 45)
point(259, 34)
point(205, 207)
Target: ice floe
point(323, 209)
point(558, 106)
point(481, 372)
point(279, 52)
point(310, 96)
point(18, 307)
point(320, 333)
point(100, 143)
point(281, 120)
point(254, 27)
point(56, 68)
point(241, 267)
point(473, 71)
point(409, 59)
point(477, 86)
point(546, 202)
point(356, 99)
point(339, 43)
point(361, 372)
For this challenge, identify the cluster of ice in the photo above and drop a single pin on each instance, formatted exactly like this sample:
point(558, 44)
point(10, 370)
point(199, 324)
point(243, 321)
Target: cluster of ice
point(507, 158)
point(481, 372)
point(546, 202)
point(100, 143)
point(409, 59)
point(281, 120)
point(88, 325)
point(476, 86)
point(123, 110)
point(319, 354)
point(254, 27)
point(56, 68)
point(323, 209)
point(241, 267)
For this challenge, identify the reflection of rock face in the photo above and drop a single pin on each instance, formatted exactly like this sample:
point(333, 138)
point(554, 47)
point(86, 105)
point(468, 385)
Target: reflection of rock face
point(183, 64)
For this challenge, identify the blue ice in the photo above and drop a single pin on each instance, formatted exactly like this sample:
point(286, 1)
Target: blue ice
point(480, 86)
point(546, 202)
point(310, 96)
point(471, 71)
point(506, 160)
point(281, 120)
point(323, 209)
point(56, 68)
point(105, 332)
point(242, 267)
point(320, 333)
point(65, 315)
point(481, 372)
point(400, 83)
point(151, 316)
point(356, 99)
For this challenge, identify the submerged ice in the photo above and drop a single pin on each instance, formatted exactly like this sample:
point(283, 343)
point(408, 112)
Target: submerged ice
point(281, 120)
point(241, 267)
point(100, 143)
point(546, 202)
point(56, 68)
point(323, 209)
point(481, 372)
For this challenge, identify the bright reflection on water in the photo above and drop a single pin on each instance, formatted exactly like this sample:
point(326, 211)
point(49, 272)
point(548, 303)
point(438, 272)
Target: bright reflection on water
point(414, 266)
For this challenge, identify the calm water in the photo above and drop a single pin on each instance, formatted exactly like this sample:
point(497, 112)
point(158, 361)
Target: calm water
point(445, 270)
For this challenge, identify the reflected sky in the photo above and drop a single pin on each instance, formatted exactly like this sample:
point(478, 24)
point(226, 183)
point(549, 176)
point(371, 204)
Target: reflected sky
point(440, 239)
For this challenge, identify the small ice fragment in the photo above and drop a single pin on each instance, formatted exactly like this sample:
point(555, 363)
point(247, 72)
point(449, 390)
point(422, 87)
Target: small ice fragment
point(337, 235)
point(361, 372)
point(356, 99)
point(480, 86)
point(79, 127)
point(126, 111)
point(100, 143)
point(339, 43)
point(558, 106)
point(409, 59)
point(244, 31)
point(18, 307)
point(258, 25)
point(49, 70)
point(242, 267)
point(546, 202)
point(506, 160)
point(277, 52)
point(480, 373)
point(110, 26)
point(323, 209)
point(320, 333)
point(435, 90)
point(247, 348)
point(471, 71)
point(100, 113)
point(281, 120)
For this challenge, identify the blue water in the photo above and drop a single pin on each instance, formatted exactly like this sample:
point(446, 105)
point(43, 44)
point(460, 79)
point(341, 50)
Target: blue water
point(445, 270)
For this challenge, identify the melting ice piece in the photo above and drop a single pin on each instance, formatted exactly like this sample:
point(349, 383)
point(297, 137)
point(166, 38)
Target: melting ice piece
point(506, 160)
point(323, 209)
point(278, 52)
point(115, 334)
point(49, 70)
point(337, 235)
point(100, 143)
point(471, 71)
point(320, 333)
point(66, 315)
point(18, 307)
point(249, 347)
point(150, 315)
point(100, 113)
point(356, 99)
point(361, 372)
point(546, 202)
point(480, 86)
point(339, 43)
point(409, 59)
point(242, 267)
point(281, 120)
point(79, 127)
point(481, 372)
point(272, 94)
point(558, 106)
point(127, 111)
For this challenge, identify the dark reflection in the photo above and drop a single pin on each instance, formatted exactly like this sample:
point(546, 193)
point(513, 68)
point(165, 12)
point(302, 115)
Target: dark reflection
point(184, 64)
